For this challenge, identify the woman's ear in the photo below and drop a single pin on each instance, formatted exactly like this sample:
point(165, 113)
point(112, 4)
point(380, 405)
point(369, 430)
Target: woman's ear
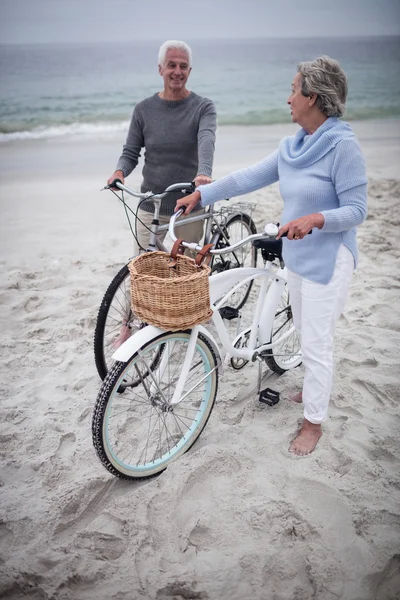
point(312, 98)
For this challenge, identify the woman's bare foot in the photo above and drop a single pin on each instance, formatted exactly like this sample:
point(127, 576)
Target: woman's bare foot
point(298, 398)
point(306, 440)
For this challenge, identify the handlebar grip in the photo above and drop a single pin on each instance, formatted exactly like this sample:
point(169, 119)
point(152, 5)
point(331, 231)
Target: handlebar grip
point(191, 189)
point(113, 184)
point(285, 234)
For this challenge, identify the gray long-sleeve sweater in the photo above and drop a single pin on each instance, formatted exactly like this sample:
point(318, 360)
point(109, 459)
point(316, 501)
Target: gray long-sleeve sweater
point(179, 139)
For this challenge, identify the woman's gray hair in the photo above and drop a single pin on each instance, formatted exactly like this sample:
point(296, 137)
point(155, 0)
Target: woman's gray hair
point(176, 45)
point(326, 78)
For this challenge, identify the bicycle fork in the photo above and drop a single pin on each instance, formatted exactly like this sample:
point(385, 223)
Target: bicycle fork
point(157, 375)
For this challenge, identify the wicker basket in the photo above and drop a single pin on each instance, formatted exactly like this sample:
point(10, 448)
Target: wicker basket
point(170, 297)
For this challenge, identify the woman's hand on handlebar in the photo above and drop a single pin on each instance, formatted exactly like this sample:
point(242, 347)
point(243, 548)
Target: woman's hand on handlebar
point(188, 203)
point(116, 175)
point(298, 228)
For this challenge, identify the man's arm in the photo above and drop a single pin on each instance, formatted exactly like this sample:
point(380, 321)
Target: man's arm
point(206, 143)
point(134, 143)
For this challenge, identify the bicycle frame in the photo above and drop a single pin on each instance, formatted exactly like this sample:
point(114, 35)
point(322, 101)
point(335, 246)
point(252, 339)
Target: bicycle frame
point(261, 328)
point(262, 324)
point(115, 317)
point(213, 225)
point(154, 242)
point(207, 216)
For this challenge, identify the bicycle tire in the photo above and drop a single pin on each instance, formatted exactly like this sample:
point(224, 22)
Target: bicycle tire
point(287, 355)
point(117, 418)
point(236, 228)
point(114, 312)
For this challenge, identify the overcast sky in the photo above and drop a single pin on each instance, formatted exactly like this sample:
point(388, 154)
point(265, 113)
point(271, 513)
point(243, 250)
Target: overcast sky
point(25, 21)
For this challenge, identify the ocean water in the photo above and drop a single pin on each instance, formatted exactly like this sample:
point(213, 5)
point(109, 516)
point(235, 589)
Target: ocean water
point(53, 90)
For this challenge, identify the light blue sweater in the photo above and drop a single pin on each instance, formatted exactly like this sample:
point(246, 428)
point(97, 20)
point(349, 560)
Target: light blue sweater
point(323, 172)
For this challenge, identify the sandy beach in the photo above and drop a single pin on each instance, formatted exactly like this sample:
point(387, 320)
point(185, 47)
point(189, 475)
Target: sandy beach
point(237, 517)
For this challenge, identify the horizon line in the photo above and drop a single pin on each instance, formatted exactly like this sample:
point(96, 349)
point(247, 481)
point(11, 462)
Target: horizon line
point(211, 39)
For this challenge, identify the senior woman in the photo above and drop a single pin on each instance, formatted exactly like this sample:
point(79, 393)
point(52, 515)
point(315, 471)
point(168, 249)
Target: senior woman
point(323, 183)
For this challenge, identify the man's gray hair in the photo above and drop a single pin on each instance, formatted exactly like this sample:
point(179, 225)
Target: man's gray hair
point(176, 45)
point(326, 78)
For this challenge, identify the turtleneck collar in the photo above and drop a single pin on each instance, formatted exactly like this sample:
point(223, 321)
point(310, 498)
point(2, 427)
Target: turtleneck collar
point(303, 149)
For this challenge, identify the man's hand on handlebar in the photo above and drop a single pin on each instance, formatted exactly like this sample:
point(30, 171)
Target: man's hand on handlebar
point(116, 175)
point(188, 203)
point(202, 180)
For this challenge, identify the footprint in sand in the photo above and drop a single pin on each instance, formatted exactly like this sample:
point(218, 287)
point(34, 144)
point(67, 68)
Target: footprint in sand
point(83, 506)
point(29, 276)
point(387, 583)
point(103, 546)
point(32, 304)
point(66, 447)
point(7, 539)
point(375, 393)
point(338, 426)
point(181, 590)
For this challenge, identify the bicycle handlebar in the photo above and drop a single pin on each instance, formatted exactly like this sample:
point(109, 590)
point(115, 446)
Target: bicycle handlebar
point(270, 232)
point(186, 188)
point(196, 248)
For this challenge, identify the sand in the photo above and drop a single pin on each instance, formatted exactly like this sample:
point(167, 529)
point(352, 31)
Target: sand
point(237, 517)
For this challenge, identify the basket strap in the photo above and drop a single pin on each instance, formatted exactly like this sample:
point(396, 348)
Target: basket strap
point(177, 248)
point(201, 257)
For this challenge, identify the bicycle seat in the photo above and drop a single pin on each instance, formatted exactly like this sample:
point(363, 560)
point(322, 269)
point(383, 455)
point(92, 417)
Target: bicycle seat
point(270, 249)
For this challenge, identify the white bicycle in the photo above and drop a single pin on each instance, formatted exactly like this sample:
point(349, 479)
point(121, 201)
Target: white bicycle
point(223, 227)
point(158, 397)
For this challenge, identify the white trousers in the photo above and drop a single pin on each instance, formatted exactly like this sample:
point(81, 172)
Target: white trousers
point(316, 309)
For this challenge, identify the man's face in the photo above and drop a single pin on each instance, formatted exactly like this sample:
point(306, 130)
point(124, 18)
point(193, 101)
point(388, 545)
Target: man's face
point(175, 71)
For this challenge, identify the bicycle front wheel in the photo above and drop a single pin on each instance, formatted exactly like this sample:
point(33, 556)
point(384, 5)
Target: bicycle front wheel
point(137, 434)
point(286, 354)
point(115, 321)
point(234, 230)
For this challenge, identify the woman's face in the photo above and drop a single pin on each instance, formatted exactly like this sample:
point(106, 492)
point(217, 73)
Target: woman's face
point(299, 104)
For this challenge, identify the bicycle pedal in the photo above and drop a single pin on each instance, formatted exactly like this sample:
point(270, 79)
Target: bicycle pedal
point(268, 396)
point(229, 312)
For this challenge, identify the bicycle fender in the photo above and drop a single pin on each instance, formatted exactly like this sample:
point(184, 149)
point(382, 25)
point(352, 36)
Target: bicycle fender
point(150, 332)
point(214, 345)
point(135, 342)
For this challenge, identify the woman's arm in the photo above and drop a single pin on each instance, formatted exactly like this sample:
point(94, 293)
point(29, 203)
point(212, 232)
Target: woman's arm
point(350, 180)
point(236, 184)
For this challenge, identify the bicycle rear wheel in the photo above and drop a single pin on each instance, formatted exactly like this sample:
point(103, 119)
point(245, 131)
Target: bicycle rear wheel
point(115, 321)
point(139, 433)
point(287, 354)
point(235, 229)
